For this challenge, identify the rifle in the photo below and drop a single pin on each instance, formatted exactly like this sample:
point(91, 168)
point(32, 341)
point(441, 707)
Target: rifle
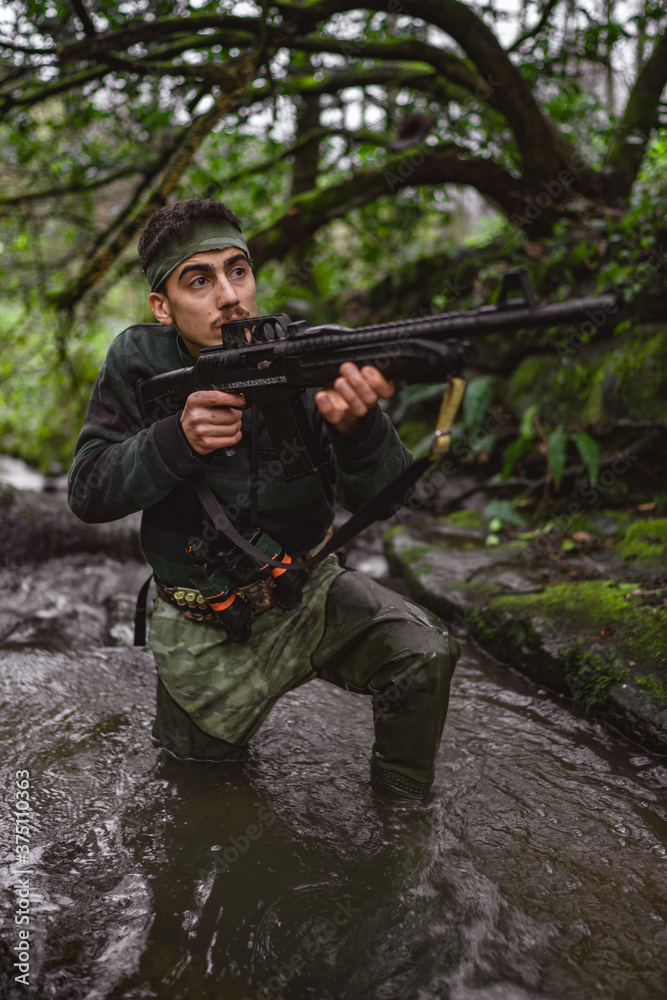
point(272, 360)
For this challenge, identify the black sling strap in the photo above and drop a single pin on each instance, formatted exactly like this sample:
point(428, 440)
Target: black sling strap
point(373, 510)
point(140, 614)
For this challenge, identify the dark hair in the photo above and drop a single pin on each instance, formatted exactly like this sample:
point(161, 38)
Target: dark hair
point(176, 219)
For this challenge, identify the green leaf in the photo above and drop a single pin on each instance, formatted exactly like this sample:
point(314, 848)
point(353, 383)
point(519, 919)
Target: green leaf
point(476, 401)
point(503, 511)
point(515, 451)
point(527, 426)
point(413, 396)
point(423, 448)
point(556, 454)
point(590, 454)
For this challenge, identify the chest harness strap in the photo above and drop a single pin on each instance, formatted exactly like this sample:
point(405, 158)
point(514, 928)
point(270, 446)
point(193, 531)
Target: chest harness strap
point(378, 508)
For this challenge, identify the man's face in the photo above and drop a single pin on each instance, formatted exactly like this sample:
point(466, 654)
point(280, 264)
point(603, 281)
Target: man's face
point(205, 291)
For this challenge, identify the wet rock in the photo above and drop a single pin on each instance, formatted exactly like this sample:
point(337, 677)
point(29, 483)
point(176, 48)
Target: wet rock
point(592, 629)
point(74, 602)
point(39, 526)
point(17, 473)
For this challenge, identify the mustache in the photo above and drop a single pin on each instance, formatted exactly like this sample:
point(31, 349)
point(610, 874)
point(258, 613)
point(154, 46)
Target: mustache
point(235, 313)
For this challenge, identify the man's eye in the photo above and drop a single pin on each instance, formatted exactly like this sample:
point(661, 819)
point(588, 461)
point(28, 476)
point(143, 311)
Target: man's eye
point(198, 281)
point(239, 272)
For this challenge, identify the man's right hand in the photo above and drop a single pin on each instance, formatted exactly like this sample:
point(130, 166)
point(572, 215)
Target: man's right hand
point(211, 419)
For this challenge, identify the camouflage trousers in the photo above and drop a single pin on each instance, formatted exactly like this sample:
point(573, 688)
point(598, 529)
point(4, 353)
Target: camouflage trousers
point(213, 694)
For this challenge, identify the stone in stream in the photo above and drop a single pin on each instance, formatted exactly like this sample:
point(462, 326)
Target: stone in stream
point(591, 629)
point(39, 526)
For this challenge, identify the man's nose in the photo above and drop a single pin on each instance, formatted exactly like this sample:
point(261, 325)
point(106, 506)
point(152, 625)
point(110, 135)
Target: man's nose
point(225, 292)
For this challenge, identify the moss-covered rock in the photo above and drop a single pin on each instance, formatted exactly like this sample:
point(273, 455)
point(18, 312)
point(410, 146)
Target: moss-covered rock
point(601, 382)
point(645, 543)
point(589, 611)
point(635, 378)
point(601, 641)
point(534, 378)
point(464, 520)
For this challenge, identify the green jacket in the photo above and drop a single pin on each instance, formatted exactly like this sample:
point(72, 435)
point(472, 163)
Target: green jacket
point(122, 465)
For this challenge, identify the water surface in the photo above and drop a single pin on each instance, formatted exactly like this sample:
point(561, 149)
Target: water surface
point(536, 870)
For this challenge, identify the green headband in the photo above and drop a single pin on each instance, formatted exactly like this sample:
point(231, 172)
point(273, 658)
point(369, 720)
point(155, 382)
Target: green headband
point(204, 234)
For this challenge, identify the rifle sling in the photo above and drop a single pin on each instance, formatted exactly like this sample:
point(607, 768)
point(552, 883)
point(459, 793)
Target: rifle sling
point(140, 614)
point(373, 510)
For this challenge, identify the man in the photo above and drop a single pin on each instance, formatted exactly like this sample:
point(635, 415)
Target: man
point(214, 693)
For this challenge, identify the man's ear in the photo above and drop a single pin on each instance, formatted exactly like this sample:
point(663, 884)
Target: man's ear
point(161, 308)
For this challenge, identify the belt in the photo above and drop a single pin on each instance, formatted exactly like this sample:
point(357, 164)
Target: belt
point(259, 595)
point(193, 605)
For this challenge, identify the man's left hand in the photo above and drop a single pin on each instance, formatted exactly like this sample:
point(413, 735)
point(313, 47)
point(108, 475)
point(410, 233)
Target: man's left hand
point(353, 394)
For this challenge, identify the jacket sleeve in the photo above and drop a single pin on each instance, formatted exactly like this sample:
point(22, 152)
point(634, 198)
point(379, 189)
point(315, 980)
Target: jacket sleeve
point(368, 461)
point(119, 465)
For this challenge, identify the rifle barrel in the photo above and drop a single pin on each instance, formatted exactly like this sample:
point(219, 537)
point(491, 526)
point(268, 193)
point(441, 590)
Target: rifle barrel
point(468, 323)
point(491, 319)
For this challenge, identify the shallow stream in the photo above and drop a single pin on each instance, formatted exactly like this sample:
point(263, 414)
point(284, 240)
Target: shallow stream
point(537, 869)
